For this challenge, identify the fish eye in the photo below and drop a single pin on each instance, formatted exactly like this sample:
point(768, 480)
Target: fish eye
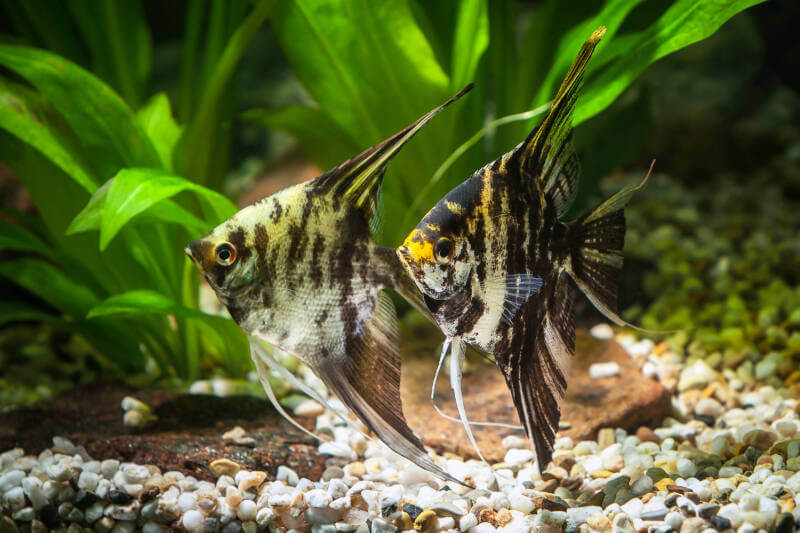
point(225, 254)
point(443, 250)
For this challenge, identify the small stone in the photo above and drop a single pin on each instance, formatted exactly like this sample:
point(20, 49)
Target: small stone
point(193, 521)
point(720, 523)
point(787, 428)
point(247, 510)
point(109, 467)
point(380, 525)
point(337, 449)
point(686, 468)
point(7, 525)
point(332, 472)
point(225, 467)
point(308, 408)
point(604, 370)
point(25, 514)
point(119, 497)
point(517, 457)
point(709, 407)
point(645, 434)
point(412, 510)
point(467, 522)
point(248, 479)
point(693, 525)
point(413, 475)
point(425, 521)
point(599, 522)
point(674, 520)
point(605, 438)
point(356, 469)
point(447, 509)
point(514, 441)
point(602, 332)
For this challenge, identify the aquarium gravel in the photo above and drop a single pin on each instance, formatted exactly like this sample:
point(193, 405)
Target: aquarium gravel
point(728, 459)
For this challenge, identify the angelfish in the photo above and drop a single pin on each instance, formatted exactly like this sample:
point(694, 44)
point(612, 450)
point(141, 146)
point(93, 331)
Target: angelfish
point(301, 270)
point(496, 264)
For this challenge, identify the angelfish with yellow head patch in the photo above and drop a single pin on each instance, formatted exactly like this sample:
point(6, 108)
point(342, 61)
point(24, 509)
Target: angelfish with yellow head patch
point(495, 264)
point(301, 270)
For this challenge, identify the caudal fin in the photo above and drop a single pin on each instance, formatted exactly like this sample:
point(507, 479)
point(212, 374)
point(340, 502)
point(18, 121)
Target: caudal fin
point(596, 240)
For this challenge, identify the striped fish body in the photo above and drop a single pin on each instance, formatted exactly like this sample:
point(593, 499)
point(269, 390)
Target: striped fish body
point(301, 270)
point(496, 265)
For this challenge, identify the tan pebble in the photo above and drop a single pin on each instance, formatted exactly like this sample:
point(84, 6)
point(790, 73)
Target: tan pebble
point(356, 469)
point(577, 471)
point(309, 408)
point(661, 484)
point(249, 527)
point(503, 517)
point(487, 515)
point(157, 482)
point(234, 434)
point(403, 521)
point(599, 522)
point(647, 497)
point(359, 446)
point(547, 486)
point(426, 521)
point(787, 505)
point(224, 467)
point(645, 434)
point(233, 497)
point(252, 480)
point(373, 465)
point(605, 438)
point(565, 461)
point(601, 474)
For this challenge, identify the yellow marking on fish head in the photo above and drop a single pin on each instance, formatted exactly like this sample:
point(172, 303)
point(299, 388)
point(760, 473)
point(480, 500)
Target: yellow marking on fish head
point(417, 247)
point(455, 208)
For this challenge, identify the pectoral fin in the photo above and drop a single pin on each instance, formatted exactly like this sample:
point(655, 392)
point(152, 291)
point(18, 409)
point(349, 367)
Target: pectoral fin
point(513, 291)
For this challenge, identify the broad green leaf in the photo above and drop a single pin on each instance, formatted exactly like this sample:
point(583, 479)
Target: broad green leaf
point(323, 140)
point(683, 23)
point(470, 42)
point(17, 238)
point(141, 301)
point(50, 284)
point(134, 190)
point(101, 120)
point(24, 115)
point(355, 57)
point(155, 118)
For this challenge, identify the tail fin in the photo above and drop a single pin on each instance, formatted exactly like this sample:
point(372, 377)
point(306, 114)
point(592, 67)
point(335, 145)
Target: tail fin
point(596, 240)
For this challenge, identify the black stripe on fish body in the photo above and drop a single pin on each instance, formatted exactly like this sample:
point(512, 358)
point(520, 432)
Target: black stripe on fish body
point(298, 238)
point(277, 210)
point(321, 319)
point(317, 250)
point(237, 239)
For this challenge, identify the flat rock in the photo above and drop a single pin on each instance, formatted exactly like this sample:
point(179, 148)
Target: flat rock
point(187, 435)
point(627, 400)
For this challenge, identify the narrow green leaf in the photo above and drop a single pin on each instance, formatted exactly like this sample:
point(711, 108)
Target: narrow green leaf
point(102, 122)
point(155, 118)
point(470, 42)
point(684, 23)
point(323, 140)
point(134, 190)
point(50, 284)
point(24, 115)
point(23, 312)
point(17, 238)
point(141, 301)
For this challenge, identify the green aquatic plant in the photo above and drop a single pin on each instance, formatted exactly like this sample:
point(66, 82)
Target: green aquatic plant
point(371, 67)
point(96, 166)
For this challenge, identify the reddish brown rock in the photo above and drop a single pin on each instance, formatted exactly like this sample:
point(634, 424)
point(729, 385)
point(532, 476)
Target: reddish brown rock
point(628, 400)
point(186, 437)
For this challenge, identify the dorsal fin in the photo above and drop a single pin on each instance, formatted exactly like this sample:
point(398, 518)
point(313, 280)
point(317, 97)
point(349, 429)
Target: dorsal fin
point(548, 154)
point(358, 179)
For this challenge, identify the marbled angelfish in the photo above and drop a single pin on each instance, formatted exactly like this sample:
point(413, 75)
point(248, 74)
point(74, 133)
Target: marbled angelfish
point(494, 263)
point(301, 270)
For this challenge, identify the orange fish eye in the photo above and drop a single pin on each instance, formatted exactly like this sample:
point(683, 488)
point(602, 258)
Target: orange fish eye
point(225, 254)
point(443, 250)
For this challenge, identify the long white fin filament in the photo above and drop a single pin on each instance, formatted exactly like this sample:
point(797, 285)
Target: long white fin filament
point(452, 418)
point(261, 369)
point(259, 352)
point(456, 359)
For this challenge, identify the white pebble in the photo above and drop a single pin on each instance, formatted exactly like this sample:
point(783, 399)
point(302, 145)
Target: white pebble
point(604, 370)
point(602, 332)
point(318, 498)
point(514, 441)
point(193, 520)
point(109, 467)
point(187, 501)
point(674, 520)
point(518, 457)
point(308, 408)
point(14, 499)
point(88, 481)
point(686, 468)
point(337, 449)
point(247, 510)
point(287, 475)
point(786, 428)
point(12, 479)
